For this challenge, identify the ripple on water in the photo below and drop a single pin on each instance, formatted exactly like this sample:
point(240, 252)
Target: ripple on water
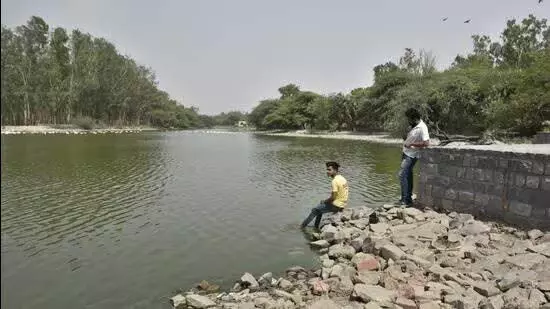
point(143, 215)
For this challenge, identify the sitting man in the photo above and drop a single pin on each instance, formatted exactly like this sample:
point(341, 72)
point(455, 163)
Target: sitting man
point(337, 200)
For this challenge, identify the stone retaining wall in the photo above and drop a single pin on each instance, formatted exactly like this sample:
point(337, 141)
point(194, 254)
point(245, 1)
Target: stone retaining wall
point(509, 186)
point(542, 138)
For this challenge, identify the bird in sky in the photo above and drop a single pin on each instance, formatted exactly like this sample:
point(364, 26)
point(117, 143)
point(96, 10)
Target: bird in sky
point(445, 19)
point(467, 21)
point(540, 1)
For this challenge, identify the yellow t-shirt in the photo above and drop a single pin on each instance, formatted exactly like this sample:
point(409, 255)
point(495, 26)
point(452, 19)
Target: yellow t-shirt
point(340, 186)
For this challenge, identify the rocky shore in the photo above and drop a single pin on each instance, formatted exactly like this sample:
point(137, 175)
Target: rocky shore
point(44, 130)
point(401, 258)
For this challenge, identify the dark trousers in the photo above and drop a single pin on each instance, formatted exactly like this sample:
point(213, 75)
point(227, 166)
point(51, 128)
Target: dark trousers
point(406, 178)
point(318, 211)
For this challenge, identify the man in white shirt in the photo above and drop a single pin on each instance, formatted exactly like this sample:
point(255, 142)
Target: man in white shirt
point(417, 139)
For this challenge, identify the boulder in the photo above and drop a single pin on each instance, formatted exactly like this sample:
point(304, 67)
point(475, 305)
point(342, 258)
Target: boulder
point(543, 249)
point(265, 279)
point(363, 262)
point(248, 281)
point(526, 260)
point(319, 244)
point(178, 301)
point(379, 228)
point(390, 251)
point(535, 234)
point(495, 302)
point(367, 277)
point(199, 301)
point(341, 250)
point(341, 271)
point(374, 293)
point(405, 303)
point(486, 289)
point(264, 302)
point(319, 287)
point(357, 243)
point(285, 284)
point(324, 304)
point(536, 297)
point(474, 227)
point(328, 232)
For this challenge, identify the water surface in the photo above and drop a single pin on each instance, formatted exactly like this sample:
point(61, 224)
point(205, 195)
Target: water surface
point(124, 221)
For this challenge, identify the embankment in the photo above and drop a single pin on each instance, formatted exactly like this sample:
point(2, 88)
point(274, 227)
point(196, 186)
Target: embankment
point(45, 129)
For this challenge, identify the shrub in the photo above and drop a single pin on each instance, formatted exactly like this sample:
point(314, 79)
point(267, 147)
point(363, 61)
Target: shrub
point(84, 123)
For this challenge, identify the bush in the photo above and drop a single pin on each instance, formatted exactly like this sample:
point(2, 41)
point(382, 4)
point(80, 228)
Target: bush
point(84, 123)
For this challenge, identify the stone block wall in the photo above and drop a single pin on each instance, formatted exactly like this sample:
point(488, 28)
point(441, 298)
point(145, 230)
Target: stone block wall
point(542, 138)
point(508, 186)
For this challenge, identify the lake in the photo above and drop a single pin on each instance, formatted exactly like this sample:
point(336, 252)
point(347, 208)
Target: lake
point(126, 220)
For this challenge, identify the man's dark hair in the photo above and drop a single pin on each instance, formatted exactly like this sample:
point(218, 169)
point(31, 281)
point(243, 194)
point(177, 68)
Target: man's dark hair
point(333, 164)
point(412, 113)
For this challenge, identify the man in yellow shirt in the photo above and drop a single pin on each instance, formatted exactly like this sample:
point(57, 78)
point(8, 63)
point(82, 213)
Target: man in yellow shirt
point(338, 198)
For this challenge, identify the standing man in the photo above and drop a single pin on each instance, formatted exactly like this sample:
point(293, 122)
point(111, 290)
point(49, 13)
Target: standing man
point(338, 198)
point(417, 139)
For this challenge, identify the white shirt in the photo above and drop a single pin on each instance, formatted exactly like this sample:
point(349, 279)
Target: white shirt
point(416, 135)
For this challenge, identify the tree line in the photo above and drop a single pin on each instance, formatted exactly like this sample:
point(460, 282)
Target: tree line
point(501, 86)
point(51, 76)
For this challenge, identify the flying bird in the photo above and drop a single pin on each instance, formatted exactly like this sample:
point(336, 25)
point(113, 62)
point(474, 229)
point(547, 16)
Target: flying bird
point(445, 19)
point(467, 21)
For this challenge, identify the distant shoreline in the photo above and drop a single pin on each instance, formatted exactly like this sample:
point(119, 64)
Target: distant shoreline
point(68, 129)
point(383, 138)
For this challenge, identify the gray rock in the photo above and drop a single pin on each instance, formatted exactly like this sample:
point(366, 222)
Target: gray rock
point(535, 234)
point(536, 297)
point(379, 228)
point(495, 302)
point(361, 212)
point(324, 304)
point(341, 271)
point(357, 243)
point(373, 305)
point(285, 284)
point(474, 227)
point(328, 232)
point(265, 279)
point(178, 301)
point(199, 301)
point(368, 293)
point(320, 244)
point(486, 289)
point(543, 249)
point(391, 251)
point(459, 219)
point(264, 302)
point(367, 277)
point(248, 281)
point(340, 250)
point(544, 286)
point(526, 260)
point(516, 298)
point(360, 223)
point(405, 303)
point(246, 305)
point(430, 305)
point(297, 299)
point(449, 262)
point(417, 260)
point(415, 213)
point(328, 263)
point(508, 281)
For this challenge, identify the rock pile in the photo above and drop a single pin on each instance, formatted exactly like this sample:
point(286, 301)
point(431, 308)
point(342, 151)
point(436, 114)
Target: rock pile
point(403, 258)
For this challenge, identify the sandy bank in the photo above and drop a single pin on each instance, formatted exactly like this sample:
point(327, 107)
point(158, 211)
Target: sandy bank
point(377, 138)
point(45, 129)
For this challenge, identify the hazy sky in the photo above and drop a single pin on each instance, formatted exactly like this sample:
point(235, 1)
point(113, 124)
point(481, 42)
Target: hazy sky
point(229, 54)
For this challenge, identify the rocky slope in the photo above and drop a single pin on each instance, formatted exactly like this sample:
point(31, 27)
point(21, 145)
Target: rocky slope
point(401, 258)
